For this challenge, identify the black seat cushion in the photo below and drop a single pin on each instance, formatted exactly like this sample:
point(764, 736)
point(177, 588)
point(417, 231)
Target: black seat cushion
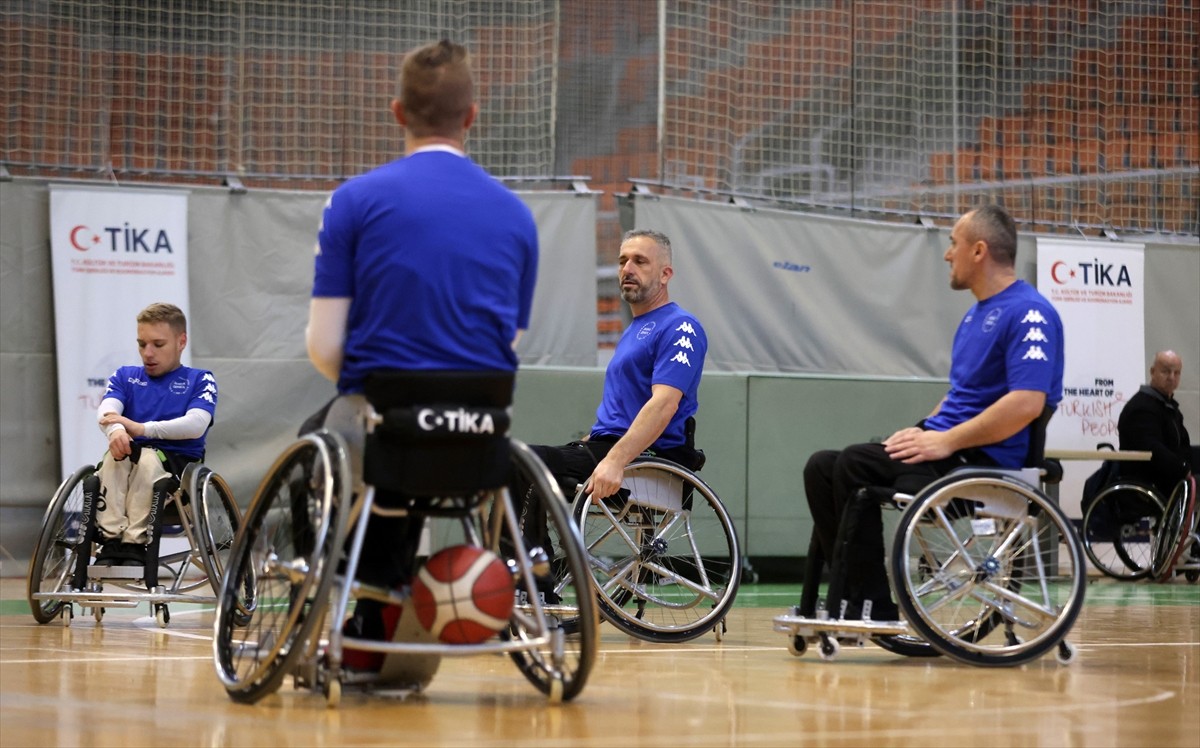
point(443, 433)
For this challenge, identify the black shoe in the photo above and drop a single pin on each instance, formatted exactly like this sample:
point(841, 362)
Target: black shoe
point(132, 554)
point(110, 553)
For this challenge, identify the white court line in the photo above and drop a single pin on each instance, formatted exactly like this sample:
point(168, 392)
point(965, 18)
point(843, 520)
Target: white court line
point(655, 649)
point(603, 653)
point(114, 658)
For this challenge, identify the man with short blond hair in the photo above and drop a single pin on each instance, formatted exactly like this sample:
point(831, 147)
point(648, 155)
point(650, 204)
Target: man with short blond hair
point(424, 263)
point(156, 417)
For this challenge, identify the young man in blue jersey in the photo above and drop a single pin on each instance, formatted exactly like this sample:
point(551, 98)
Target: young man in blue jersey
point(424, 263)
point(651, 382)
point(156, 417)
point(1006, 366)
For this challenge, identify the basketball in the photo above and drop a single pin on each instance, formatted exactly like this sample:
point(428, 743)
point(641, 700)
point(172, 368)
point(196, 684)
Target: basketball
point(463, 595)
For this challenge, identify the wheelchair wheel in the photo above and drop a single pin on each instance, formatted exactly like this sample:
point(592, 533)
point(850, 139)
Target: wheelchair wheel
point(1119, 530)
point(979, 571)
point(903, 644)
point(217, 521)
point(1175, 534)
point(283, 561)
point(53, 559)
point(663, 553)
point(561, 666)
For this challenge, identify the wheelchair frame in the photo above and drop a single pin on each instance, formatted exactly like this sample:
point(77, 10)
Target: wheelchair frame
point(1126, 517)
point(209, 537)
point(307, 640)
point(1175, 546)
point(629, 538)
point(1132, 509)
point(1008, 528)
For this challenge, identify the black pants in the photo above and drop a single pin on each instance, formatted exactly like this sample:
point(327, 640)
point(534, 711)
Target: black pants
point(572, 464)
point(833, 478)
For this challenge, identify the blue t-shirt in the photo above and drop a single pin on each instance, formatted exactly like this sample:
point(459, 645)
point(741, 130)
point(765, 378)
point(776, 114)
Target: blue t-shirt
point(1010, 341)
point(146, 398)
point(664, 346)
point(440, 261)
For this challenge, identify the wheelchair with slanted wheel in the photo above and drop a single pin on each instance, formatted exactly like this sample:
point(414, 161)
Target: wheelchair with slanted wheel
point(429, 447)
point(1130, 532)
point(663, 553)
point(985, 567)
point(191, 541)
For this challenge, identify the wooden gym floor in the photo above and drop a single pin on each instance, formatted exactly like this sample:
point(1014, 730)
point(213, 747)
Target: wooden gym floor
point(127, 683)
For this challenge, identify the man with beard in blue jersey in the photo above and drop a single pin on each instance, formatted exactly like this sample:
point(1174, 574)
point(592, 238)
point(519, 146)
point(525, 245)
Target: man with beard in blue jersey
point(1006, 367)
point(426, 263)
point(650, 385)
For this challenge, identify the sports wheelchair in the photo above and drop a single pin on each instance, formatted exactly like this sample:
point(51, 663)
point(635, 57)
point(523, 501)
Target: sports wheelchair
point(399, 450)
point(985, 567)
point(201, 515)
point(663, 553)
point(1130, 532)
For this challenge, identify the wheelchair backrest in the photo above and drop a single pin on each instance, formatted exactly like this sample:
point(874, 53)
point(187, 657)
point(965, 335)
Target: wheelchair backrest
point(1037, 438)
point(440, 433)
point(1035, 457)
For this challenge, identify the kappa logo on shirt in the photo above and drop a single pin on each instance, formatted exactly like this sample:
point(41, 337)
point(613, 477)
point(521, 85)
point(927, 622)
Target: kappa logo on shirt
point(210, 388)
point(682, 358)
point(1035, 317)
point(1035, 353)
point(1036, 335)
point(208, 377)
point(686, 327)
point(207, 398)
point(684, 342)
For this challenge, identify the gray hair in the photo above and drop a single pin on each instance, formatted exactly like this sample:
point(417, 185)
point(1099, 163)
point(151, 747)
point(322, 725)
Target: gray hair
point(657, 237)
point(993, 225)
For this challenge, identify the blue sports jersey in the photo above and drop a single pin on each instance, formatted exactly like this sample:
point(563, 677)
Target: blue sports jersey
point(664, 346)
point(145, 398)
point(440, 261)
point(1011, 341)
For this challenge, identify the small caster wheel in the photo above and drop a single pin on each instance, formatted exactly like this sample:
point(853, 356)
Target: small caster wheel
point(333, 693)
point(556, 689)
point(719, 630)
point(1066, 652)
point(68, 612)
point(162, 615)
point(829, 647)
point(1191, 576)
point(98, 613)
point(797, 645)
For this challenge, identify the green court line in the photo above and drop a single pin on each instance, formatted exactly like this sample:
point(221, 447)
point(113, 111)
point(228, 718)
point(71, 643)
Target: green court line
point(782, 596)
